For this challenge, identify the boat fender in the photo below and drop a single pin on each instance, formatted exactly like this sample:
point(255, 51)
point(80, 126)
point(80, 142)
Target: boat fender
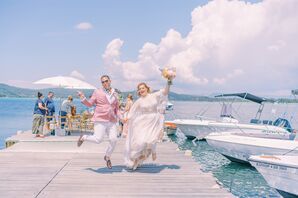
point(188, 153)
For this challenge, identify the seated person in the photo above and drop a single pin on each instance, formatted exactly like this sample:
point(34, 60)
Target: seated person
point(66, 109)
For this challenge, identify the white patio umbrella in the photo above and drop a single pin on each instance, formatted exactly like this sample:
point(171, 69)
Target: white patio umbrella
point(65, 82)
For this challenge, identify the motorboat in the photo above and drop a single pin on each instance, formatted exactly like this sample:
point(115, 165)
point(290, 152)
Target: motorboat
point(280, 172)
point(169, 106)
point(240, 146)
point(170, 127)
point(200, 127)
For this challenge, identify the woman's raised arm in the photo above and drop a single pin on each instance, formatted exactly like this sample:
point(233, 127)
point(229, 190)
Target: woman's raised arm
point(166, 90)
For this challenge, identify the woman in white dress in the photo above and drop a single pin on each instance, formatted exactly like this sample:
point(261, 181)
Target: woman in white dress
point(145, 125)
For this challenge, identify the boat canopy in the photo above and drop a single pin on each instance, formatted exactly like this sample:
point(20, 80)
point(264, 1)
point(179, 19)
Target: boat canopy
point(246, 96)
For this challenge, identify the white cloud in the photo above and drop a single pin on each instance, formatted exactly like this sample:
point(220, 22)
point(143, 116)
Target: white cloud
point(77, 74)
point(84, 26)
point(276, 46)
point(232, 45)
point(223, 80)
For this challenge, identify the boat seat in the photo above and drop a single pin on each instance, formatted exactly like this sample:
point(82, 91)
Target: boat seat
point(268, 122)
point(255, 121)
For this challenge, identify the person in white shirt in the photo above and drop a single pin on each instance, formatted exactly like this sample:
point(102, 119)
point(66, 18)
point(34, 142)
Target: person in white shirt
point(66, 109)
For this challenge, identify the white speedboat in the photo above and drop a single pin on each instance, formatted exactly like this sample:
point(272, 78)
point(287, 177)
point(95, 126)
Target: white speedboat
point(194, 128)
point(199, 128)
point(170, 127)
point(169, 106)
point(280, 172)
point(240, 146)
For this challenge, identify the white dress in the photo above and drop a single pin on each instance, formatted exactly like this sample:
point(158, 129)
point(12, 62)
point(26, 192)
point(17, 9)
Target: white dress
point(145, 126)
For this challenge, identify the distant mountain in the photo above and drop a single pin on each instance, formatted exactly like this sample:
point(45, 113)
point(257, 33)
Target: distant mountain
point(11, 91)
point(16, 92)
point(186, 97)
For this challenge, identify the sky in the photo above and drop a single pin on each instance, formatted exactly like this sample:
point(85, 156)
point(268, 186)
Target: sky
point(216, 46)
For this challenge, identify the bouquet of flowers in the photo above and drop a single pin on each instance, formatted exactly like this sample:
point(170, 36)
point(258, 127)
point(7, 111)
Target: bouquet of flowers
point(168, 73)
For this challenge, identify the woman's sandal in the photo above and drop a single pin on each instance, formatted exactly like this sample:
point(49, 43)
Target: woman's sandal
point(135, 164)
point(109, 163)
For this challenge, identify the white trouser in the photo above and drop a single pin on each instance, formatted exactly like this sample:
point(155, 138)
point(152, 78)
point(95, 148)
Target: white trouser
point(100, 129)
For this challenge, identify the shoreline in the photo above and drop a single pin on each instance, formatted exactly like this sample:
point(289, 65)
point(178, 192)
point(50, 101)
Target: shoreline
point(283, 101)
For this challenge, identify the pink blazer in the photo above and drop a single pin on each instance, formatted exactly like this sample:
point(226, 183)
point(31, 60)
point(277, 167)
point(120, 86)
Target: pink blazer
point(104, 111)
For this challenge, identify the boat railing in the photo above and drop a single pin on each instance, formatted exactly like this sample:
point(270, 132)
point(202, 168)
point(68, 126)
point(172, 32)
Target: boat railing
point(201, 118)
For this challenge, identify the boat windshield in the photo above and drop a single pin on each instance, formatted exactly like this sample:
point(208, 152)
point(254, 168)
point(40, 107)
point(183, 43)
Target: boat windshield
point(281, 122)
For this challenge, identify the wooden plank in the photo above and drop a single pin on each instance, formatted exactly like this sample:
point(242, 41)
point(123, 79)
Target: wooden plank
point(55, 167)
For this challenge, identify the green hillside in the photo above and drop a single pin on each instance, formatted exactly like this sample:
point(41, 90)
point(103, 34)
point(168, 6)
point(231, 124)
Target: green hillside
point(16, 92)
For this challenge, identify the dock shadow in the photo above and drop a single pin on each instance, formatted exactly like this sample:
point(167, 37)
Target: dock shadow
point(145, 168)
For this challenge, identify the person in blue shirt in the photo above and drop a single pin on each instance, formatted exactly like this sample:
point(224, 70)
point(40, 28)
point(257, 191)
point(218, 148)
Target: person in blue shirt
point(49, 102)
point(38, 116)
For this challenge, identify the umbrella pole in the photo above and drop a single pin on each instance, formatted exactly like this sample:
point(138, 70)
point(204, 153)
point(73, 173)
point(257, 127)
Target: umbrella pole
point(59, 116)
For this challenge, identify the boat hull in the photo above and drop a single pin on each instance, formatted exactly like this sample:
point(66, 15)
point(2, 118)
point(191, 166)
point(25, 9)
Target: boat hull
point(170, 127)
point(278, 173)
point(286, 194)
point(191, 131)
point(170, 131)
point(240, 148)
point(201, 128)
point(196, 128)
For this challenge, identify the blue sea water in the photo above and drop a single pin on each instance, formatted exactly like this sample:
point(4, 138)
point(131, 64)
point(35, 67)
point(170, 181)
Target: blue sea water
point(241, 180)
point(16, 114)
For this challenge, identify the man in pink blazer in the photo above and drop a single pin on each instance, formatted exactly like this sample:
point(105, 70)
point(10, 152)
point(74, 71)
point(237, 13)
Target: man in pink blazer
point(105, 116)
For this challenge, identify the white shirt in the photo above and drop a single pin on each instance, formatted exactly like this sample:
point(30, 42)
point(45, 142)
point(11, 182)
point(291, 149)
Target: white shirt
point(110, 95)
point(66, 106)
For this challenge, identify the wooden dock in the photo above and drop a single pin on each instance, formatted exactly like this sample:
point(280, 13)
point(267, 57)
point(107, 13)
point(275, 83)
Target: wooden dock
point(55, 167)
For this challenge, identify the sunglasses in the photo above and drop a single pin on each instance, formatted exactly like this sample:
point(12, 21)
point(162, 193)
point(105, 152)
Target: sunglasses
point(105, 81)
